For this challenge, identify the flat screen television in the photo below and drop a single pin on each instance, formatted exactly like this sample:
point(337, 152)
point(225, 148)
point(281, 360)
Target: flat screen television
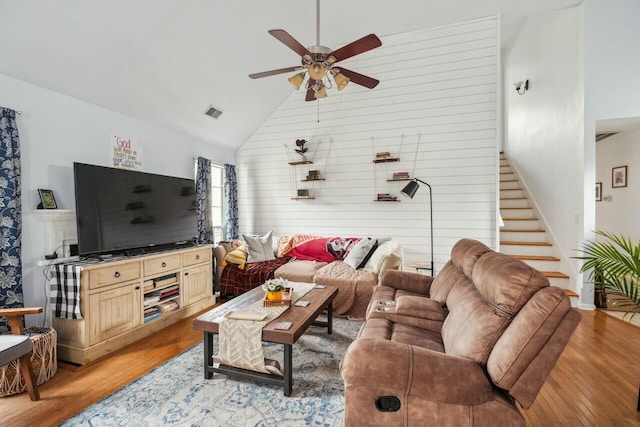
point(120, 210)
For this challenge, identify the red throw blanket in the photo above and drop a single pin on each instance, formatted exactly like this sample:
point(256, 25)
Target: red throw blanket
point(318, 248)
point(234, 281)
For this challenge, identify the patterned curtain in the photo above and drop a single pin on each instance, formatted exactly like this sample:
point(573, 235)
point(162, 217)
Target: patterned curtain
point(10, 215)
point(231, 202)
point(203, 201)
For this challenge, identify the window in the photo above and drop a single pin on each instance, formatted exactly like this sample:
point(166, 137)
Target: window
point(217, 202)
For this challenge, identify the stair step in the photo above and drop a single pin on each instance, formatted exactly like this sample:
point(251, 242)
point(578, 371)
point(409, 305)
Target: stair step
point(518, 230)
point(513, 243)
point(511, 185)
point(570, 293)
point(535, 258)
point(554, 274)
point(540, 262)
point(509, 213)
point(514, 202)
point(521, 223)
point(515, 235)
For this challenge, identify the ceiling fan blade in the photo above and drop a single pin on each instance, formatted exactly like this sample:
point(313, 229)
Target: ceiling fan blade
point(359, 79)
point(357, 47)
point(274, 72)
point(290, 42)
point(310, 92)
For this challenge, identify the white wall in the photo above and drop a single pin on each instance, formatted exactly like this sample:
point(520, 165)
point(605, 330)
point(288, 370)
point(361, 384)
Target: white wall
point(440, 83)
point(618, 212)
point(55, 131)
point(611, 63)
point(544, 127)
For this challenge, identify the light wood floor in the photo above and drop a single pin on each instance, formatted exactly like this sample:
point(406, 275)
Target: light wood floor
point(595, 382)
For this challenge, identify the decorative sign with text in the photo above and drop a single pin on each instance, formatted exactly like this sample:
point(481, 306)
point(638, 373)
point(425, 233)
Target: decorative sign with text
point(126, 153)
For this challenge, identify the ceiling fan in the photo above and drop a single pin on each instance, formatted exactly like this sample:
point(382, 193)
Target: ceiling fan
point(318, 63)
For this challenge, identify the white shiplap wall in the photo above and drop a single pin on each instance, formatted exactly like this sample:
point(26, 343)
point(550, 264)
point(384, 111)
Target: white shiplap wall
point(438, 87)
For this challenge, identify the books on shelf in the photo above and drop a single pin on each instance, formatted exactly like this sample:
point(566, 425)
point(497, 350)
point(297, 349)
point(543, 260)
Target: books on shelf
point(149, 285)
point(165, 280)
point(387, 197)
point(168, 306)
point(313, 175)
point(151, 317)
point(400, 175)
point(169, 292)
point(151, 299)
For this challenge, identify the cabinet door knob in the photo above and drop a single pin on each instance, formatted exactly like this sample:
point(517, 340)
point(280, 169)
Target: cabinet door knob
point(164, 264)
point(197, 256)
point(137, 287)
point(186, 274)
point(116, 274)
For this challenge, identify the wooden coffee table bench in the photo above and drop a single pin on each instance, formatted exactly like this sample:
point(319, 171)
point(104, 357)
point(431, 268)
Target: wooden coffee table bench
point(300, 317)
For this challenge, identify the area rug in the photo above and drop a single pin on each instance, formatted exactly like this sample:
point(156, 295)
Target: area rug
point(176, 393)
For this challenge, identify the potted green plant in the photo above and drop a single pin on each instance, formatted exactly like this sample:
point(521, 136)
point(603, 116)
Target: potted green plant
point(613, 263)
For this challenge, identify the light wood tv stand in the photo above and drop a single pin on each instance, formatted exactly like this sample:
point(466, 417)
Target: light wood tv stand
point(112, 300)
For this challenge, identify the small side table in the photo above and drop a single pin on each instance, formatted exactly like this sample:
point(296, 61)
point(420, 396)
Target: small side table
point(418, 266)
point(44, 360)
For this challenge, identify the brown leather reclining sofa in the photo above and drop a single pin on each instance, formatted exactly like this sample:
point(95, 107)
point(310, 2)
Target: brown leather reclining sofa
point(458, 349)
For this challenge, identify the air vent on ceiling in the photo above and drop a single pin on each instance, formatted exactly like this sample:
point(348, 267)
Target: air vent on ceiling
point(603, 135)
point(213, 112)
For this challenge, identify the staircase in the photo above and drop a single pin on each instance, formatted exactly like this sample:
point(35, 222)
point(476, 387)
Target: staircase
point(522, 235)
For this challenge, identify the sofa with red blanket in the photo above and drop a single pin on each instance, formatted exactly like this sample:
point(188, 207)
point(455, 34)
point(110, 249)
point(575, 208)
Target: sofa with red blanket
point(352, 264)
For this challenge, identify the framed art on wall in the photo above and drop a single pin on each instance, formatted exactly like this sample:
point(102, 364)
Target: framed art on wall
point(598, 191)
point(47, 201)
point(619, 177)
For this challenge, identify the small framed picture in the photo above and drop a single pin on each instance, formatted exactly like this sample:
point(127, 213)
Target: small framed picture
point(619, 177)
point(47, 201)
point(598, 191)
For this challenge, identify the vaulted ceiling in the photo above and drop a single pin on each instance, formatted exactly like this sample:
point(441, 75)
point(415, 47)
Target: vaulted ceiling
point(166, 61)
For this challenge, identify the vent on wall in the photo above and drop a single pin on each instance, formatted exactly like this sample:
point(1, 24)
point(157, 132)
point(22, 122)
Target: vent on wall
point(603, 135)
point(213, 112)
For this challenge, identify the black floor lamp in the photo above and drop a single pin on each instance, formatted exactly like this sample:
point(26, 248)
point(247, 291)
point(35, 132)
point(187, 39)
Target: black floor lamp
point(410, 190)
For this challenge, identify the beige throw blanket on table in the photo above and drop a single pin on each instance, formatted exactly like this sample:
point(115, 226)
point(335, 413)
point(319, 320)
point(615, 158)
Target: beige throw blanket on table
point(240, 334)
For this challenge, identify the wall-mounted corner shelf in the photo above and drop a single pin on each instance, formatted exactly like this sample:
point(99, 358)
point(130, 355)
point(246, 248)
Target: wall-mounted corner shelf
point(301, 162)
point(386, 200)
point(54, 215)
point(387, 160)
point(303, 198)
point(399, 179)
point(314, 179)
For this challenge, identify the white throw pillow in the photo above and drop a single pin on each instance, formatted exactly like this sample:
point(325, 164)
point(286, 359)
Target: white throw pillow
point(377, 259)
point(359, 252)
point(260, 247)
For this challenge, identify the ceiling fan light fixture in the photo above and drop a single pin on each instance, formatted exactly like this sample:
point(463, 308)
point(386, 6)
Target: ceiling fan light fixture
point(341, 80)
point(320, 91)
point(296, 80)
point(316, 71)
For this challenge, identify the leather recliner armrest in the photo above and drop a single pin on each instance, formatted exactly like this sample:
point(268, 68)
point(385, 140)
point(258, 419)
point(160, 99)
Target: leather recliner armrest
point(405, 280)
point(390, 368)
point(420, 307)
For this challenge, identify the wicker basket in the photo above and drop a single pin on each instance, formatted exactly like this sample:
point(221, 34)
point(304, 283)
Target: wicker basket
point(44, 360)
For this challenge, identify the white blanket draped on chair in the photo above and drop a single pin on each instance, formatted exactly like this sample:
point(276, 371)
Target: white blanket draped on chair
point(240, 334)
